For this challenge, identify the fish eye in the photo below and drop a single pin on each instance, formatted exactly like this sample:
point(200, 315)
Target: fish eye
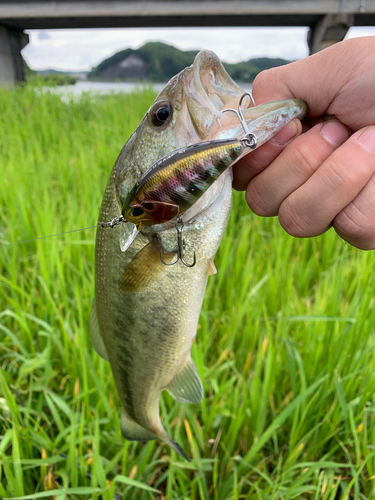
point(137, 212)
point(161, 113)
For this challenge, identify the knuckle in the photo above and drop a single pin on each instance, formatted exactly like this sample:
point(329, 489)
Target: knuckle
point(339, 177)
point(292, 222)
point(304, 162)
point(254, 163)
point(355, 228)
point(257, 200)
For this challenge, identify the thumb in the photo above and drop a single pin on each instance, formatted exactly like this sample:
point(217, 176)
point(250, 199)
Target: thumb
point(317, 79)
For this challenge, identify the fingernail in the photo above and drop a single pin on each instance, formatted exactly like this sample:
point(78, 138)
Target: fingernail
point(335, 133)
point(367, 140)
point(287, 133)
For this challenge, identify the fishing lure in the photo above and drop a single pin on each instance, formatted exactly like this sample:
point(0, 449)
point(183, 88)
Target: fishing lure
point(177, 181)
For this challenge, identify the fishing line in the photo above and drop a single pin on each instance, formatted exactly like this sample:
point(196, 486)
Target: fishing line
point(114, 222)
point(49, 236)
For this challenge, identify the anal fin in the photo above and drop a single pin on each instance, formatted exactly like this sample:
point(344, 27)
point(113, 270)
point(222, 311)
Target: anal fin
point(187, 386)
point(96, 338)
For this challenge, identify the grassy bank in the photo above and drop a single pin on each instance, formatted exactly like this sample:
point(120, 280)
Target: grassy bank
point(285, 344)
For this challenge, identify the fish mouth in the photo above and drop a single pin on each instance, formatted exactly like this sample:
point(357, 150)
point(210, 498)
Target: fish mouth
point(208, 92)
point(208, 88)
point(211, 91)
point(263, 121)
point(209, 96)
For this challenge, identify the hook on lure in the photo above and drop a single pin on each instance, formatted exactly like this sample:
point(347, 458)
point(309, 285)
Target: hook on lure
point(180, 242)
point(181, 247)
point(250, 139)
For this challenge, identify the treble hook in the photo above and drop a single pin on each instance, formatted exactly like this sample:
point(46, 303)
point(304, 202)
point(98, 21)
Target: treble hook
point(250, 139)
point(181, 247)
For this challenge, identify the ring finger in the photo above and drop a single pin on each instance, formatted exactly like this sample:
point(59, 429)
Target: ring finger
point(294, 166)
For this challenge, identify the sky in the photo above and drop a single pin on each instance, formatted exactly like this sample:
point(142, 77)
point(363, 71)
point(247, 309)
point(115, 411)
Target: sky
point(82, 49)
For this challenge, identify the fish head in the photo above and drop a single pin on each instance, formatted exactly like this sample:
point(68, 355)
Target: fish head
point(189, 110)
point(185, 112)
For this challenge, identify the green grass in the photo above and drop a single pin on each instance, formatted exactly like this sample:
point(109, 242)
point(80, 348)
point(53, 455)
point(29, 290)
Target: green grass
point(285, 344)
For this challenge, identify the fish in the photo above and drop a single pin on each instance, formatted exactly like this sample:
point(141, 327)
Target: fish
point(145, 314)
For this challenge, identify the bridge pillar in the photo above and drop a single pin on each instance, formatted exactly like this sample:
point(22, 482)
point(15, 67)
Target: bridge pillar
point(12, 41)
point(330, 29)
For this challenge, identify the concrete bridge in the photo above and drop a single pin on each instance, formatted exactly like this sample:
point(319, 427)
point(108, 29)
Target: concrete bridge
point(328, 20)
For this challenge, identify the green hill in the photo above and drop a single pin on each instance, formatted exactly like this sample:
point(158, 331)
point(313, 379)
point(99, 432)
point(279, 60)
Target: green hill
point(158, 62)
point(154, 61)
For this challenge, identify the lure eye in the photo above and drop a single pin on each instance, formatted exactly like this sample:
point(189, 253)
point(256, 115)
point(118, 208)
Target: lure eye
point(137, 212)
point(161, 114)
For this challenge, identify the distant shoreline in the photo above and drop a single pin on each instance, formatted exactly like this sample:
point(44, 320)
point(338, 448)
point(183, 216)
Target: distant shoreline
point(106, 87)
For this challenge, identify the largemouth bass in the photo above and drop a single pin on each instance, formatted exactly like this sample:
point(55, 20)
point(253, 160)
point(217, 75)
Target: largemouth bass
point(145, 314)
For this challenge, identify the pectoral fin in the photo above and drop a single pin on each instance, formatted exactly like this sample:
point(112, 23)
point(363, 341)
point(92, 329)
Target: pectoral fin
point(187, 386)
point(143, 269)
point(211, 268)
point(96, 338)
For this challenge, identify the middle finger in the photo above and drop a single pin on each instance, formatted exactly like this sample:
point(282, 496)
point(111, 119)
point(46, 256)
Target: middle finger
point(294, 166)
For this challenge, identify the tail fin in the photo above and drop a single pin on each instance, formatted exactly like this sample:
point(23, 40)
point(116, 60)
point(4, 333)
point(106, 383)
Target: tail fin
point(173, 444)
point(135, 432)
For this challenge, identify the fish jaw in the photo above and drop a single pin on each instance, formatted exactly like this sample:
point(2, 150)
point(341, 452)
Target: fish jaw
point(264, 121)
point(198, 96)
point(208, 89)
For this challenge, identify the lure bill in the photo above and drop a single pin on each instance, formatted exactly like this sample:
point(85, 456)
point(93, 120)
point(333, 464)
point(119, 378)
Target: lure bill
point(177, 181)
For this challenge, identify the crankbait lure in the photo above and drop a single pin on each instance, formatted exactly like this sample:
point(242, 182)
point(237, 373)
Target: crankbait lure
point(174, 183)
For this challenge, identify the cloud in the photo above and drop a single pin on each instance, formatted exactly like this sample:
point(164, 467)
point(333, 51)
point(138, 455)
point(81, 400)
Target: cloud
point(80, 50)
point(83, 49)
point(43, 35)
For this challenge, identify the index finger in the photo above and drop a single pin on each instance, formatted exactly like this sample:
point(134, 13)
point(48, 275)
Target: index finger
point(256, 161)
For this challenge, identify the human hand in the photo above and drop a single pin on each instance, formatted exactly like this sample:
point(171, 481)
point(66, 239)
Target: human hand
point(325, 176)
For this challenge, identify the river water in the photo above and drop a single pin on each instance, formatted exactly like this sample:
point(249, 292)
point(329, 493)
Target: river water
point(107, 87)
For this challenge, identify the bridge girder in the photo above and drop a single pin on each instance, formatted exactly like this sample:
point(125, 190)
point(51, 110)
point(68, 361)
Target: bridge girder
point(328, 20)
